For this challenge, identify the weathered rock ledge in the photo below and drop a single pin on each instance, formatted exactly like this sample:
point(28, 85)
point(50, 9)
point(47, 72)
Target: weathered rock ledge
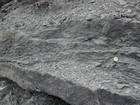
point(75, 61)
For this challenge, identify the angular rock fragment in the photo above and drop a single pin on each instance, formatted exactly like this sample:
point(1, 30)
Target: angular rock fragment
point(128, 15)
point(123, 2)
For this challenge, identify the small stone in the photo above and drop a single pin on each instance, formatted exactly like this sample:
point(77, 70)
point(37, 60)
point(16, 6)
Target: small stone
point(122, 2)
point(51, 22)
point(44, 24)
point(115, 59)
point(127, 19)
point(19, 24)
point(128, 15)
point(89, 8)
point(1, 88)
point(127, 90)
point(92, 1)
point(107, 81)
point(116, 16)
point(129, 10)
point(123, 81)
point(89, 18)
point(43, 2)
point(102, 16)
point(102, 87)
point(119, 90)
point(138, 17)
point(136, 87)
point(121, 86)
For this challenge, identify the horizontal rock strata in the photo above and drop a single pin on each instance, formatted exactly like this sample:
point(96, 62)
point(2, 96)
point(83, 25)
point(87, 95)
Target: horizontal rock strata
point(91, 63)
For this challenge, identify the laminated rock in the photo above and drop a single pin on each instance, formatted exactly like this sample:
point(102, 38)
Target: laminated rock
point(80, 72)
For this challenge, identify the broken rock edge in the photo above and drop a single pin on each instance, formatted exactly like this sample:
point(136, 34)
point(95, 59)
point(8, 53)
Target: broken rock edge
point(64, 89)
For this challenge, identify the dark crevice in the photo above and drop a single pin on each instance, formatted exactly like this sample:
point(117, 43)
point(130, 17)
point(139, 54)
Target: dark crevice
point(17, 96)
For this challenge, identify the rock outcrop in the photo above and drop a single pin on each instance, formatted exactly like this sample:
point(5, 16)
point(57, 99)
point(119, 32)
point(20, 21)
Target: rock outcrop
point(86, 52)
point(75, 61)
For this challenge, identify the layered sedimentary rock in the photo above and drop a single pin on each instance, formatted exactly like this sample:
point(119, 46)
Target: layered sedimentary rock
point(84, 63)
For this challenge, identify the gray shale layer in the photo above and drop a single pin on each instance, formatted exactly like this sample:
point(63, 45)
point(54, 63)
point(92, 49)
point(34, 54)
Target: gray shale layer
point(82, 62)
point(75, 62)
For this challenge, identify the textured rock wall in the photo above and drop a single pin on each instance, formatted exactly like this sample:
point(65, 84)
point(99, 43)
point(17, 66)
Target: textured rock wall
point(85, 52)
point(75, 62)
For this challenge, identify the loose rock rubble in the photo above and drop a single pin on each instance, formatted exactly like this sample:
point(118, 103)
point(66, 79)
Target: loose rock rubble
point(33, 18)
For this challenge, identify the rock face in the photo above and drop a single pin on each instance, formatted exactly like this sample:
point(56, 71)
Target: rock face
point(86, 52)
point(75, 61)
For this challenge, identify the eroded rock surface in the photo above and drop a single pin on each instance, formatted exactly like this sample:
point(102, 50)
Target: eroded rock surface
point(75, 62)
point(85, 52)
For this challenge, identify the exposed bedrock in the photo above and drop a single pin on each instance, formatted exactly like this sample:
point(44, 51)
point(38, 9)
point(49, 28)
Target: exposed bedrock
point(91, 63)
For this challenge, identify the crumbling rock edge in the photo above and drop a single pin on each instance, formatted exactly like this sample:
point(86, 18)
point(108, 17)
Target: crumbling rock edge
point(72, 93)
